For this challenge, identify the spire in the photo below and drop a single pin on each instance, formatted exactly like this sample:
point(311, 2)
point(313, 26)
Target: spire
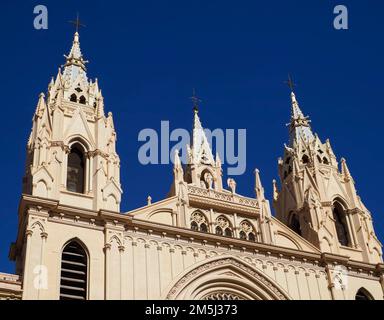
point(345, 170)
point(75, 63)
point(100, 106)
point(258, 186)
point(201, 151)
point(40, 105)
point(299, 125)
point(177, 161)
point(299, 128)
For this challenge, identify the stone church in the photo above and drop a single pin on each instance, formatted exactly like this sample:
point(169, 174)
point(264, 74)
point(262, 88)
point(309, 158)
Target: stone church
point(203, 241)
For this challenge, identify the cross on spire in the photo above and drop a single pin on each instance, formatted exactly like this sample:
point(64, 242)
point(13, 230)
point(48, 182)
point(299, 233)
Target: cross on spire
point(77, 22)
point(290, 83)
point(195, 100)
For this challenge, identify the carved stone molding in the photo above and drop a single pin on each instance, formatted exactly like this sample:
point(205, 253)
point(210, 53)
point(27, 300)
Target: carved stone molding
point(223, 262)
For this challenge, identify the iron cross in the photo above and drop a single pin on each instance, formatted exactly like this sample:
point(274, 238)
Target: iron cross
point(77, 22)
point(195, 100)
point(290, 83)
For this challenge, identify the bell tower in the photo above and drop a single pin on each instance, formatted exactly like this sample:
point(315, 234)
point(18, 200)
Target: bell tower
point(71, 151)
point(317, 199)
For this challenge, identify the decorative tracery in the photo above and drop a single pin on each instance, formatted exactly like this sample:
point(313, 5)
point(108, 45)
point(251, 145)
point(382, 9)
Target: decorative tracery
point(247, 232)
point(199, 222)
point(223, 227)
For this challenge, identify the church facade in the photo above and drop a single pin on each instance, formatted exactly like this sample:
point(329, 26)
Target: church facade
point(203, 241)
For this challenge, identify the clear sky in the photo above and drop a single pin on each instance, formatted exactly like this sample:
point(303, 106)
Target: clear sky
point(148, 55)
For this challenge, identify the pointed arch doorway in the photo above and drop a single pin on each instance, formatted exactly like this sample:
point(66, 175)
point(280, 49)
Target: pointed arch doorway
point(225, 278)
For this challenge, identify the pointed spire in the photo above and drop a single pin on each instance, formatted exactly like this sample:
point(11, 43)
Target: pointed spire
point(201, 151)
point(218, 160)
point(58, 80)
point(178, 171)
point(299, 125)
point(75, 63)
point(75, 56)
point(51, 83)
point(345, 170)
point(299, 128)
point(110, 119)
point(40, 105)
point(258, 186)
point(177, 161)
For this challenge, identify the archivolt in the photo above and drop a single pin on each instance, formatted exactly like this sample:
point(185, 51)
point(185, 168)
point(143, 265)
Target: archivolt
point(229, 275)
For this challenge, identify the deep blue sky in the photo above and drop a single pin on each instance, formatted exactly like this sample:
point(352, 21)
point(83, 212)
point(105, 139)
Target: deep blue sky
point(148, 55)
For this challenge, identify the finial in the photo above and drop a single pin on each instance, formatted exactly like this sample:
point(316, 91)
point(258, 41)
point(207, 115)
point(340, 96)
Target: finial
point(149, 200)
point(258, 185)
point(77, 23)
point(290, 83)
point(195, 101)
point(275, 191)
point(177, 162)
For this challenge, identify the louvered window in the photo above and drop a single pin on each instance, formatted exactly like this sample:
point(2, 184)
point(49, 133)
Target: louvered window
point(74, 266)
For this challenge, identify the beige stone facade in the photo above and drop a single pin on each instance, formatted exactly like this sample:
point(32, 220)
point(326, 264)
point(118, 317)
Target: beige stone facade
point(203, 241)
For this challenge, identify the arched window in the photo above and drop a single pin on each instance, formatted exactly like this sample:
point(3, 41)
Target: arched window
point(73, 98)
point(294, 224)
point(199, 222)
point(228, 232)
point(203, 227)
point(219, 231)
point(305, 159)
point(325, 160)
point(76, 170)
point(223, 227)
point(363, 294)
point(247, 231)
point(194, 226)
point(341, 224)
point(74, 269)
point(82, 100)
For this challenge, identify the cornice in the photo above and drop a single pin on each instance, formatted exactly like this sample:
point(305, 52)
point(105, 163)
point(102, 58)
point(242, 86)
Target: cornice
point(131, 223)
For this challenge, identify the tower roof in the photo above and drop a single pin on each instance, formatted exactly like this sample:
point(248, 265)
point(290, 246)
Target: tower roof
point(201, 150)
point(75, 63)
point(299, 126)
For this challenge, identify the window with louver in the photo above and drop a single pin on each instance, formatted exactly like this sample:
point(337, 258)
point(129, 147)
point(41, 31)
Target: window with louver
point(74, 267)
